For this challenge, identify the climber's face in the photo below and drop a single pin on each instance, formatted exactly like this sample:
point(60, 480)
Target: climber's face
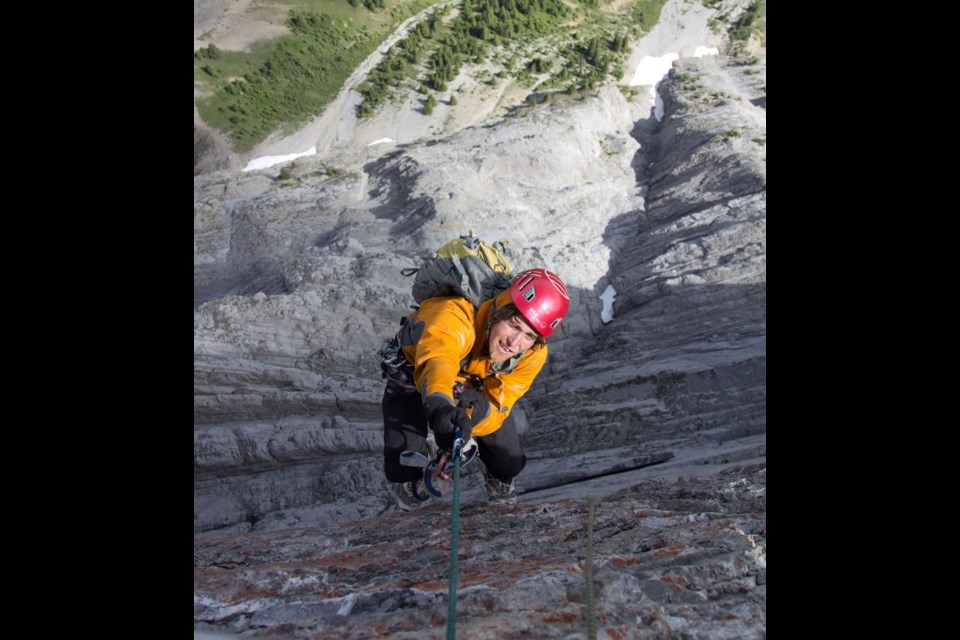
point(510, 337)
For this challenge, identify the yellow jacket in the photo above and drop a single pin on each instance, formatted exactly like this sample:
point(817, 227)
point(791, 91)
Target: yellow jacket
point(446, 341)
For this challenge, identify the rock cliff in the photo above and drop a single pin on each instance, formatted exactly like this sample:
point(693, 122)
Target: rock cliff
point(297, 283)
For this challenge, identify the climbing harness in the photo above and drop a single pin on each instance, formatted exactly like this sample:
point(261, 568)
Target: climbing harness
point(393, 364)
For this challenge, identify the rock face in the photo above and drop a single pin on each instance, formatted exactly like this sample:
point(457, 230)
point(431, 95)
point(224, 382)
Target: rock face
point(297, 284)
point(660, 559)
point(211, 152)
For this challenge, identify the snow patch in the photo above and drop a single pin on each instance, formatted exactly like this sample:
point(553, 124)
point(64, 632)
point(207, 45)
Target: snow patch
point(381, 141)
point(269, 161)
point(653, 69)
point(607, 297)
point(650, 71)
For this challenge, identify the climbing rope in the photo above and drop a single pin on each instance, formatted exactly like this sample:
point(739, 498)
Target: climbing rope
point(591, 613)
point(454, 528)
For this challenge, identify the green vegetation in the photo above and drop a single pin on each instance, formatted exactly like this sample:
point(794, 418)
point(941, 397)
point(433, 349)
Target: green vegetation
point(401, 64)
point(646, 13)
point(715, 24)
point(285, 82)
point(211, 52)
point(752, 20)
point(759, 141)
point(743, 27)
point(556, 47)
point(597, 48)
point(444, 48)
point(686, 81)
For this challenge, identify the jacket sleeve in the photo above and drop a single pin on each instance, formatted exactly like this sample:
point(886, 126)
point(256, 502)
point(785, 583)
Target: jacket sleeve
point(504, 390)
point(447, 338)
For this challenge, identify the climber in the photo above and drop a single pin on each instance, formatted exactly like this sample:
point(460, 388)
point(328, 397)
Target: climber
point(466, 368)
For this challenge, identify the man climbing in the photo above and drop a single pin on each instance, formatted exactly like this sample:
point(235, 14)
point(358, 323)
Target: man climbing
point(457, 366)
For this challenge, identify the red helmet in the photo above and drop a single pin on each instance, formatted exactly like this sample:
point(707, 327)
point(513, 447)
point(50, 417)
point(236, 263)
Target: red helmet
point(542, 298)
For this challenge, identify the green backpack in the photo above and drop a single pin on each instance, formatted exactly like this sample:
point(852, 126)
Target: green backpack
point(466, 266)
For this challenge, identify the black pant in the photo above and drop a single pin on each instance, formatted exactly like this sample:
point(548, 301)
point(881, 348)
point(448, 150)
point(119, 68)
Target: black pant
point(405, 429)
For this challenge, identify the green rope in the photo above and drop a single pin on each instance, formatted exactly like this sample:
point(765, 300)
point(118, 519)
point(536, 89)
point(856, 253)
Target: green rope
point(591, 613)
point(454, 527)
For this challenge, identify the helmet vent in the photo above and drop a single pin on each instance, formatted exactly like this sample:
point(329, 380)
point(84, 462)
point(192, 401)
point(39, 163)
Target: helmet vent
point(530, 294)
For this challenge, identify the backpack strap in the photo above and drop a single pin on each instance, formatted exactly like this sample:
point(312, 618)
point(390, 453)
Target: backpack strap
point(464, 278)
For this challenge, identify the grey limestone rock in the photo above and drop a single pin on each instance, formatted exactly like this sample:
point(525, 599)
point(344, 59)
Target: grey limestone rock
point(298, 284)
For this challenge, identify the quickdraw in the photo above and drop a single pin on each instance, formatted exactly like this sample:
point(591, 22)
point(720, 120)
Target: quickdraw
point(438, 474)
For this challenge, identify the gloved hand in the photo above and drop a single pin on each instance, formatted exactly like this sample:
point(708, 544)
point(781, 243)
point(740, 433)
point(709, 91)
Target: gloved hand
point(444, 420)
point(469, 399)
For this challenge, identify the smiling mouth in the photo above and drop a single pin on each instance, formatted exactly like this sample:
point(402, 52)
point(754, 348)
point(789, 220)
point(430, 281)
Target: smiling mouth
point(503, 350)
